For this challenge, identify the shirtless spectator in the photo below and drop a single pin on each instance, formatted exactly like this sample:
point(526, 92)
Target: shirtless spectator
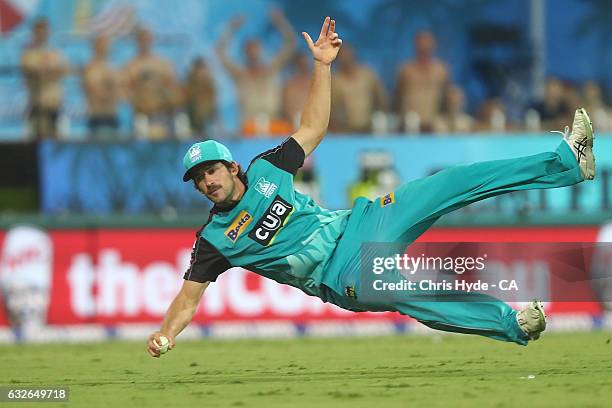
point(553, 109)
point(295, 91)
point(356, 94)
point(43, 69)
point(153, 90)
point(591, 94)
point(421, 82)
point(200, 97)
point(593, 102)
point(102, 85)
point(491, 116)
point(453, 118)
point(258, 83)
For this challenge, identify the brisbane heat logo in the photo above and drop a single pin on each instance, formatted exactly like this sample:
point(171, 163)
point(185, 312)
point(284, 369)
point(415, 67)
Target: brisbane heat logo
point(271, 222)
point(265, 187)
point(195, 154)
point(240, 223)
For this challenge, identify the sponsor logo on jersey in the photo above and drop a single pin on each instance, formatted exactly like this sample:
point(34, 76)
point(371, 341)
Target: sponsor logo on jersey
point(387, 199)
point(271, 222)
point(240, 223)
point(265, 187)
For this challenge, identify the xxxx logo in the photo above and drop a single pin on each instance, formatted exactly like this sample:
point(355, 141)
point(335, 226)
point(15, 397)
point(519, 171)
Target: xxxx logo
point(387, 199)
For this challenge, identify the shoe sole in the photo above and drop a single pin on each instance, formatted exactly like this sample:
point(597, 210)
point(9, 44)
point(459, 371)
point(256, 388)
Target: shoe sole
point(589, 167)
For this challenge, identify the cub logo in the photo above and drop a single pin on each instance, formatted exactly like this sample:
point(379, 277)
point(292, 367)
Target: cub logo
point(240, 223)
point(271, 222)
point(387, 199)
point(265, 187)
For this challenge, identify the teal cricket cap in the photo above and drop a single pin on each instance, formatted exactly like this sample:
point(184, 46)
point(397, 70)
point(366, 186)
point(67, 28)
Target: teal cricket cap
point(201, 152)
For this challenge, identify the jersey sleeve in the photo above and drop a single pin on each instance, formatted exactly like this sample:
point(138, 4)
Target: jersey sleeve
point(207, 263)
point(288, 156)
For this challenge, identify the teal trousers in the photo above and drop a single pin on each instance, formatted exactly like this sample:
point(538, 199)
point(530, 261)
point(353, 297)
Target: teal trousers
point(413, 208)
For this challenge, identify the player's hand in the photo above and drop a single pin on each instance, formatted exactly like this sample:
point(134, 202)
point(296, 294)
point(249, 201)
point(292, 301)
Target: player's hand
point(154, 341)
point(326, 48)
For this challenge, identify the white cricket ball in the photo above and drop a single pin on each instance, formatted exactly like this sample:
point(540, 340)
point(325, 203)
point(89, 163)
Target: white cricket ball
point(163, 345)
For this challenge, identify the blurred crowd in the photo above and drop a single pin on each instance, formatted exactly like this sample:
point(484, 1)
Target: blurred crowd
point(271, 94)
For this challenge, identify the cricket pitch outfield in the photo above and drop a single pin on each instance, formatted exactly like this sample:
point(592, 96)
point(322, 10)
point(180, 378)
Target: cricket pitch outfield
point(561, 369)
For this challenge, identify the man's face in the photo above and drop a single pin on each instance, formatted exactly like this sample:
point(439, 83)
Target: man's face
point(252, 50)
point(554, 89)
point(592, 91)
point(41, 32)
point(455, 99)
point(199, 68)
point(424, 44)
point(101, 45)
point(217, 182)
point(144, 40)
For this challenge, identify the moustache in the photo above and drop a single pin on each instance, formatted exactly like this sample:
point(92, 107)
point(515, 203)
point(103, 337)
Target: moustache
point(212, 189)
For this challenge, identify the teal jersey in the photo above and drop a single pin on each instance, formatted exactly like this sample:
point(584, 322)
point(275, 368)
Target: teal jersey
point(273, 230)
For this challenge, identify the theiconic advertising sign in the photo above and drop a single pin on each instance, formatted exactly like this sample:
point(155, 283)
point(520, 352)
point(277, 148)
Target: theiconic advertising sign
point(66, 277)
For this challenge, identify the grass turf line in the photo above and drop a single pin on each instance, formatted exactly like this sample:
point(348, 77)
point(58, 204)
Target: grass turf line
point(570, 369)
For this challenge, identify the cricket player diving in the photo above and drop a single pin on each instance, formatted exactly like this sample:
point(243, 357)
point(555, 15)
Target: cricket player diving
point(259, 222)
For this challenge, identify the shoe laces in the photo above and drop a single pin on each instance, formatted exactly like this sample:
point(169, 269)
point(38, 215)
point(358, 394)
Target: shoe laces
point(565, 132)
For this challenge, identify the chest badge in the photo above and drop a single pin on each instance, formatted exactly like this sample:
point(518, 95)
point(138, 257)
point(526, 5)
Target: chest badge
point(265, 187)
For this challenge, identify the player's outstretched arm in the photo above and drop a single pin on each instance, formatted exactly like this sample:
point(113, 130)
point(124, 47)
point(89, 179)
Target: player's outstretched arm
point(178, 316)
point(315, 116)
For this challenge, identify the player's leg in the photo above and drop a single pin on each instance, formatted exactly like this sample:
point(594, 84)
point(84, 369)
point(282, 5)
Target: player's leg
point(477, 313)
point(422, 201)
point(417, 205)
point(473, 313)
point(453, 311)
point(350, 280)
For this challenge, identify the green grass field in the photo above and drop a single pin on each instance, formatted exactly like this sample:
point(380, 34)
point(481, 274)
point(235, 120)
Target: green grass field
point(570, 370)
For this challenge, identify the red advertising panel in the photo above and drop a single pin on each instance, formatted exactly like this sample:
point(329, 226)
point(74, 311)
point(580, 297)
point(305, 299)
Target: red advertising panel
point(130, 276)
point(550, 234)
